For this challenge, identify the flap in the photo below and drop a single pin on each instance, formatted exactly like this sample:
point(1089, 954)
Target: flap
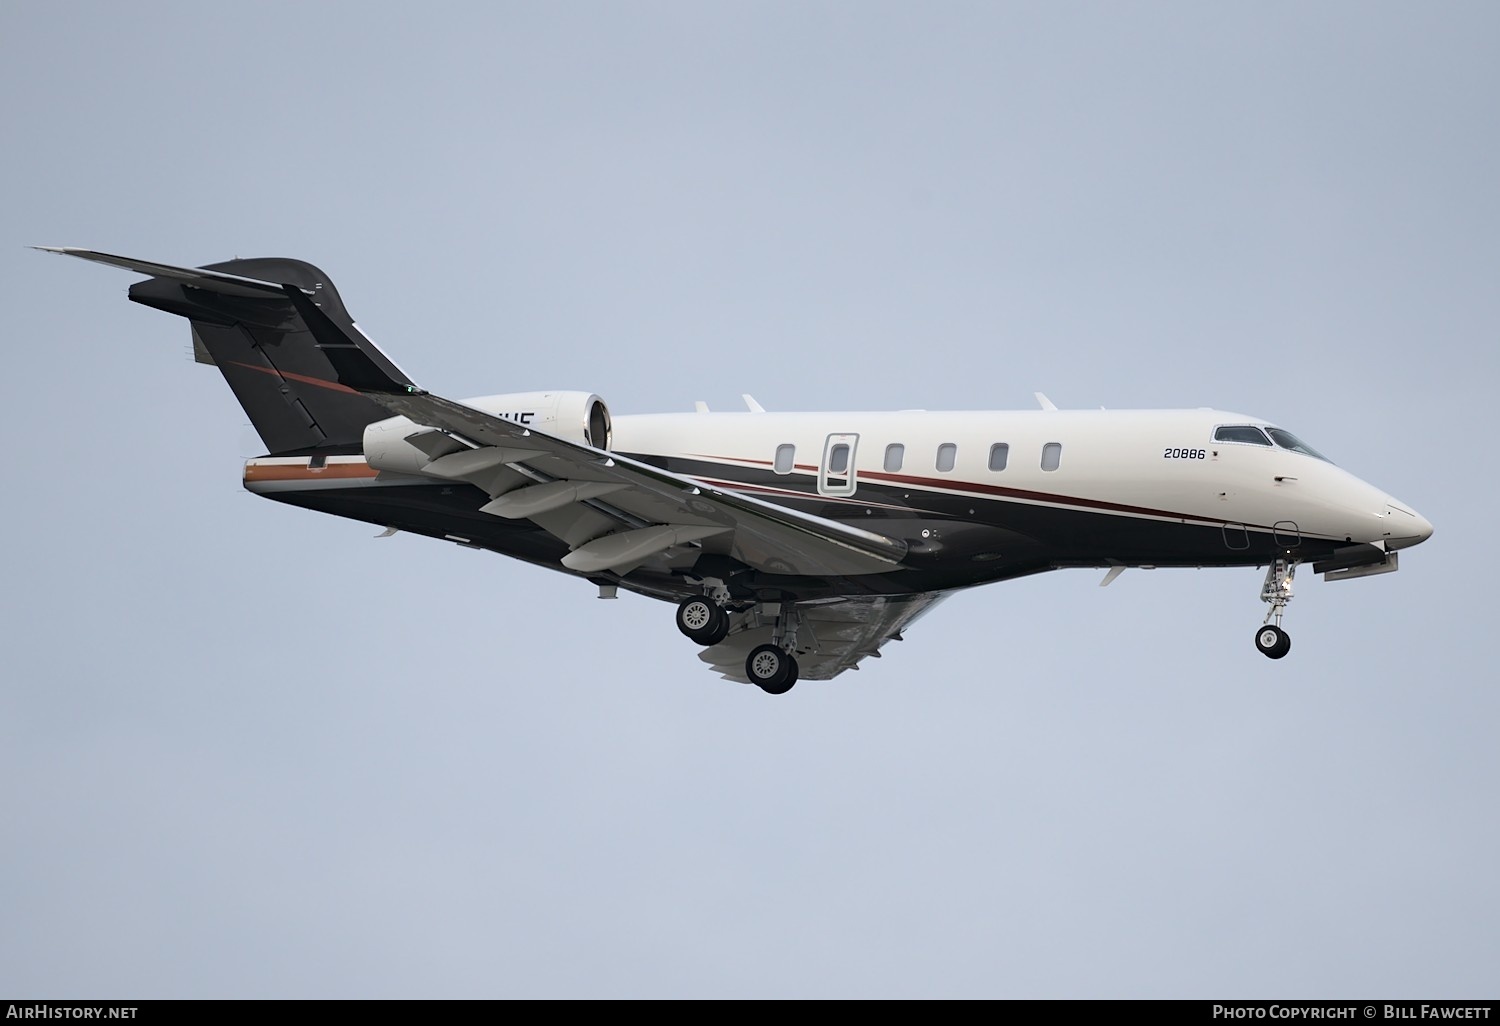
point(759, 533)
point(833, 637)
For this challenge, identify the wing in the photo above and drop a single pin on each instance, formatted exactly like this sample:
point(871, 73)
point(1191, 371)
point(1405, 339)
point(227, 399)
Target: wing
point(612, 511)
point(832, 636)
point(655, 510)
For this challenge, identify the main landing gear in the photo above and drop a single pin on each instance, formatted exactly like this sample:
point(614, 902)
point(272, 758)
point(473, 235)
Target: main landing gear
point(772, 667)
point(703, 620)
point(1272, 641)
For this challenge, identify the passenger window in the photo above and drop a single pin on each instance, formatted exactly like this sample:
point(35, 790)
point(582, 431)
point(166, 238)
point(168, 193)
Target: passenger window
point(1051, 455)
point(785, 455)
point(999, 453)
point(838, 459)
point(947, 454)
point(1241, 433)
point(894, 453)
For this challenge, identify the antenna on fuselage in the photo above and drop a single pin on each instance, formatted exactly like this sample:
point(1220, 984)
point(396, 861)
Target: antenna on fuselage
point(751, 404)
point(1046, 404)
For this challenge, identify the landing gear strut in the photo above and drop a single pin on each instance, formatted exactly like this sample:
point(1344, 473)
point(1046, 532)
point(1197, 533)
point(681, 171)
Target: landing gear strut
point(1272, 641)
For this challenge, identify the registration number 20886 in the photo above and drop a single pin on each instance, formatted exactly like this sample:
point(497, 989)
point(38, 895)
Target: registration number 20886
point(1184, 454)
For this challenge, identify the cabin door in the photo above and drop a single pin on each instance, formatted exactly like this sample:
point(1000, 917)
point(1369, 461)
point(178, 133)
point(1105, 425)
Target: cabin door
point(836, 472)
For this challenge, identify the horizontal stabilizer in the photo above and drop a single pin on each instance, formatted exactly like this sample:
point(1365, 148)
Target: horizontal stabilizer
point(278, 332)
point(197, 277)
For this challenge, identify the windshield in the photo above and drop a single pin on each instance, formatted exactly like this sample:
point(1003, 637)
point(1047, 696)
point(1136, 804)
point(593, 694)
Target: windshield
point(1287, 440)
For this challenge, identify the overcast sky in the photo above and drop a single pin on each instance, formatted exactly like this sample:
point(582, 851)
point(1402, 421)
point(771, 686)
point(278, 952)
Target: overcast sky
point(251, 751)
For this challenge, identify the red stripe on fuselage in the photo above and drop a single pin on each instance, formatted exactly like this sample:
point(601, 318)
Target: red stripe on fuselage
point(302, 472)
point(1000, 491)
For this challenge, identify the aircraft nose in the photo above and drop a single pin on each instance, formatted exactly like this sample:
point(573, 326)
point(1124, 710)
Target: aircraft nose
point(1405, 527)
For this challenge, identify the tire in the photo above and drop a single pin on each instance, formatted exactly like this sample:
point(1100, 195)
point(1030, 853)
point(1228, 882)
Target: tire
point(791, 678)
point(1272, 642)
point(771, 669)
point(720, 629)
point(702, 620)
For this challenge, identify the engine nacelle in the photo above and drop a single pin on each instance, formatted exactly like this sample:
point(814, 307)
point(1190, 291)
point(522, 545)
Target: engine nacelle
point(402, 446)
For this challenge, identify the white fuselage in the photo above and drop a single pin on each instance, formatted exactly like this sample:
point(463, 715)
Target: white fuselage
point(780, 536)
point(1152, 464)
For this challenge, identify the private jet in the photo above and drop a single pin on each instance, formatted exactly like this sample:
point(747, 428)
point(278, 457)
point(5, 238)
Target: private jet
point(793, 545)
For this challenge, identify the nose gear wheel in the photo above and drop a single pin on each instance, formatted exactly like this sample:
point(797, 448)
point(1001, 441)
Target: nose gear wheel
point(1273, 641)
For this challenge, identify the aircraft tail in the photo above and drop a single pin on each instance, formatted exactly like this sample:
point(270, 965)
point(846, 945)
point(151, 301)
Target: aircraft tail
point(250, 318)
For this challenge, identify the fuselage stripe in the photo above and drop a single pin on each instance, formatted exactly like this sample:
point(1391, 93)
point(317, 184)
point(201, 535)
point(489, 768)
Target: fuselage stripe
point(956, 487)
point(302, 472)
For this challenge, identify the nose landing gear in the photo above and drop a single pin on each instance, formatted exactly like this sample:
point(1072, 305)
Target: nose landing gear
point(1272, 641)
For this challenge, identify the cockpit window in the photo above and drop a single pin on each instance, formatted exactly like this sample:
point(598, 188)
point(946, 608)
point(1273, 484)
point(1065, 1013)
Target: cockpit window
point(1241, 433)
point(1287, 440)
